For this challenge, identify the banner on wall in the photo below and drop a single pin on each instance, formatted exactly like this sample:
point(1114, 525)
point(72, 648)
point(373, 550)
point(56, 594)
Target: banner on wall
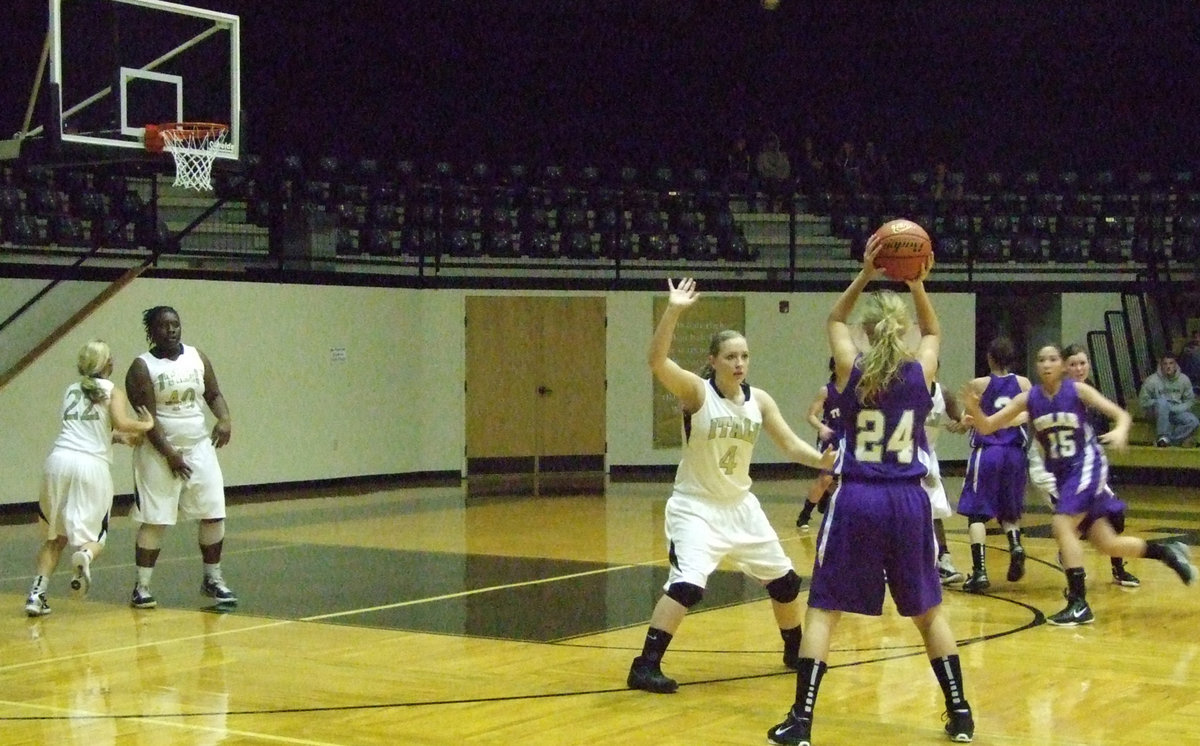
point(690, 350)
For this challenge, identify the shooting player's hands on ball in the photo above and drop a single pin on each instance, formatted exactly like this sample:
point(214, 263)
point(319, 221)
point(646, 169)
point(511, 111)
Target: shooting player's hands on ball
point(870, 251)
point(925, 270)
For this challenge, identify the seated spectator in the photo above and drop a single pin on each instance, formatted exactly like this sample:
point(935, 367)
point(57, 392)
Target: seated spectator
point(875, 170)
point(810, 170)
point(739, 171)
point(940, 186)
point(1167, 396)
point(1189, 359)
point(774, 172)
point(847, 169)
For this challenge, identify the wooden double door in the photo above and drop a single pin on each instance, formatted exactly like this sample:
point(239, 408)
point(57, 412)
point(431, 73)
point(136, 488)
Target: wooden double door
point(535, 398)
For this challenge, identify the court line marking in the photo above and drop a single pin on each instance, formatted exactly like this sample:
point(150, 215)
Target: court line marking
point(473, 592)
point(73, 713)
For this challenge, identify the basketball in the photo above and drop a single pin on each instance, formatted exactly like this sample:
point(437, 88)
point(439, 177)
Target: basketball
point(904, 246)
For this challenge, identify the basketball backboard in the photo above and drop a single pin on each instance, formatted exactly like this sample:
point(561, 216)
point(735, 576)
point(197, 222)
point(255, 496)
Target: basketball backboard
point(115, 66)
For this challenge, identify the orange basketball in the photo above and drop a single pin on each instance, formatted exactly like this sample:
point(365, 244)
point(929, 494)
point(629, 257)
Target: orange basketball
point(904, 248)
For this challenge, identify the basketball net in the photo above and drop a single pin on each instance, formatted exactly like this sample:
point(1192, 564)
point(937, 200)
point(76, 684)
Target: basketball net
point(195, 146)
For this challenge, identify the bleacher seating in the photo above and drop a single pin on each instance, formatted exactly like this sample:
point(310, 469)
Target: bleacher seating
point(395, 211)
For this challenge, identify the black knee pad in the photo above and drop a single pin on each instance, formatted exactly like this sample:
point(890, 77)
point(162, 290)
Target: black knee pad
point(1118, 521)
point(685, 594)
point(785, 589)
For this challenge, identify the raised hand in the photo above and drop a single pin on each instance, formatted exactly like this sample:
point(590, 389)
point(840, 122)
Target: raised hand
point(684, 294)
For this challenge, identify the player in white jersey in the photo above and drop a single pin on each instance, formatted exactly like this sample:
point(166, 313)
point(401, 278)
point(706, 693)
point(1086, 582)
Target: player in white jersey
point(77, 486)
point(176, 472)
point(712, 514)
point(932, 481)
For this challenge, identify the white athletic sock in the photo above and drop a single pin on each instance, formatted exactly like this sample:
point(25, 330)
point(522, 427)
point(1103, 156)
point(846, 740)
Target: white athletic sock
point(143, 576)
point(213, 571)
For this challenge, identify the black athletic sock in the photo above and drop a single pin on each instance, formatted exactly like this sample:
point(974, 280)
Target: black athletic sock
point(1155, 552)
point(808, 681)
point(791, 642)
point(1118, 564)
point(977, 558)
point(806, 511)
point(655, 646)
point(1077, 583)
point(948, 671)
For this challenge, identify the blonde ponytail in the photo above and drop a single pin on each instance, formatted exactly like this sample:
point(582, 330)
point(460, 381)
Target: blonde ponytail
point(93, 358)
point(886, 322)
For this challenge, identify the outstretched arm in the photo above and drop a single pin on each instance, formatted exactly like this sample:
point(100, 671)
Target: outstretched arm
point(684, 385)
point(118, 408)
point(787, 440)
point(841, 344)
point(1118, 436)
point(929, 348)
point(985, 424)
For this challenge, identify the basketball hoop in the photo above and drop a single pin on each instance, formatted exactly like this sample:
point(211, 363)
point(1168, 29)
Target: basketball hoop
point(195, 146)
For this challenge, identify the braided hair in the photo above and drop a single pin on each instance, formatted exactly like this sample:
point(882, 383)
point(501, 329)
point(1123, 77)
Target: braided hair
point(150, 317)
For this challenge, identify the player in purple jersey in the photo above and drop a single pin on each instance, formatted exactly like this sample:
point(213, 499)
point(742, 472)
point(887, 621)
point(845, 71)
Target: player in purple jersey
point(824, 415)
point(1079, 368)
point(1058, 412)
point(994, 484)
point(878, 532)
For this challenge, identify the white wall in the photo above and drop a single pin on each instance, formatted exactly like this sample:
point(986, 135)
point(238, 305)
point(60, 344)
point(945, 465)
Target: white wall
point(1084, 312)
point(396, 404)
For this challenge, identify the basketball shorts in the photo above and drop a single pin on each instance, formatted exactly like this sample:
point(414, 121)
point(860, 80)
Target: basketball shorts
point(939, 502)
point(162, 498)
point(77, 495)
point(876, 535)
point(994, 484)
point(701, 534)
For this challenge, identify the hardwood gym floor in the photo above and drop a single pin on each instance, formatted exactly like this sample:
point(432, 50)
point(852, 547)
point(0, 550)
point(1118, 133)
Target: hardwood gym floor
point(390, 614)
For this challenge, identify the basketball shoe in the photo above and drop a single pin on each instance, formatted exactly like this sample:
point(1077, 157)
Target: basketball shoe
point(793, 731)
point(215, 588)
point(947, 572)
point(1179, 559)
point(978, 582)
point(36, 605)
point(81, 582)
point(650, 678)
point(1077, 612)
point(141, 598)
point(1016, 564)
point(960, 725)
